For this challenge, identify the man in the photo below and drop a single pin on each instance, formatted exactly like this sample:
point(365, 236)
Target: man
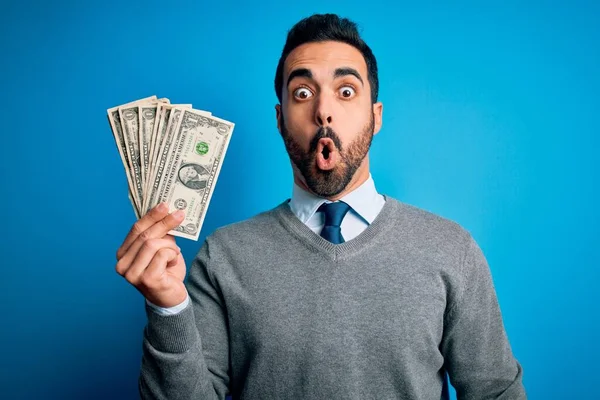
point(338, 293)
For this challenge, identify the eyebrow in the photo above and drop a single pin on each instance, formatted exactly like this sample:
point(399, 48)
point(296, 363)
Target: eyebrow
point(299, 73)
point(340, 72)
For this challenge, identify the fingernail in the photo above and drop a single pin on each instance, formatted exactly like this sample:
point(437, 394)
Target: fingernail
point(178, 214)
point(162, 207)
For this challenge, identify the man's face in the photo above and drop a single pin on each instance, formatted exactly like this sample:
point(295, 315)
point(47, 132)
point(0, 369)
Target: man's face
point(190, 173)
point(326, 118)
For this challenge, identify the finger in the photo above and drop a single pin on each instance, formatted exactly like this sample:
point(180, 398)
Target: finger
point(169, 237)
point(150, 247)
point(165, 225)
point(156, 231)
point(152, 217)
point(152, 276)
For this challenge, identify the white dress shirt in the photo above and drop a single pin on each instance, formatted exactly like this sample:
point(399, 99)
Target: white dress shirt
point(364, 201)
point(365, 204)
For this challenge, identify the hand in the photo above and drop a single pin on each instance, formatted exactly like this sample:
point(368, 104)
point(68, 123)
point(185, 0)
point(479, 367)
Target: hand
point(150, 259)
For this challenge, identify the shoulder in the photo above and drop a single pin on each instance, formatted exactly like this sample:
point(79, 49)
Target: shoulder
point(429, 229)
point(248, 231)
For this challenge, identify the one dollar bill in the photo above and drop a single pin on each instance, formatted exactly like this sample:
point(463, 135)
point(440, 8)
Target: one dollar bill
point(189, 181)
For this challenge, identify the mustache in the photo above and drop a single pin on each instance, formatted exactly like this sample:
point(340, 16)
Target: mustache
point(322, 133)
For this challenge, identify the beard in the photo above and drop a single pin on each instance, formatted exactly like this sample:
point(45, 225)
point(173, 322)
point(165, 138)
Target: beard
point(329, 183)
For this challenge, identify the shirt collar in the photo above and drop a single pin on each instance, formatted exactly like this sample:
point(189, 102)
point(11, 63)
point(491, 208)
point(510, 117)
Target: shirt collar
point(362, 200)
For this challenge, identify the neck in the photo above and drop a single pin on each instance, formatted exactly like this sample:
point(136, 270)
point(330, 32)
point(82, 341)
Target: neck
point(361, 175)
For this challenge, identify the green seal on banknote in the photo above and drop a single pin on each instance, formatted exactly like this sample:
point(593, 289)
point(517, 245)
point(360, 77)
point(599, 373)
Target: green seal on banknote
point(202, 148)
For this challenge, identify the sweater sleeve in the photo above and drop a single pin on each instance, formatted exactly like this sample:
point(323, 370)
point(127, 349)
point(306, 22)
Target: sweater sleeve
point(477, 354)
point(186, 355)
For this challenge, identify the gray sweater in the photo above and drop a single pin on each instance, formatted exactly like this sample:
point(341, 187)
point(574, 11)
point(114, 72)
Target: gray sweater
point(277, 312)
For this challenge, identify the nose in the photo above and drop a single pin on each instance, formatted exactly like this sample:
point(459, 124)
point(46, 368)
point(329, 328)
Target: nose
point(323, 112)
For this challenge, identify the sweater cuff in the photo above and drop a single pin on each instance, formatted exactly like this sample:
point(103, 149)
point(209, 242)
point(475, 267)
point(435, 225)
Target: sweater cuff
point(175, 333)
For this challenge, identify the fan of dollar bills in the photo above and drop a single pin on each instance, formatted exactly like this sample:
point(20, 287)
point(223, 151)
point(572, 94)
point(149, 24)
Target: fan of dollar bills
point(171, 153)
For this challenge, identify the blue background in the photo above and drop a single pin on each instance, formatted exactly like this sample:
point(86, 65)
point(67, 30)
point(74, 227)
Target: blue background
point(490, 119)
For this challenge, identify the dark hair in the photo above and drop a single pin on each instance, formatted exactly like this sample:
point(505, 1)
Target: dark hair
point(324, 27)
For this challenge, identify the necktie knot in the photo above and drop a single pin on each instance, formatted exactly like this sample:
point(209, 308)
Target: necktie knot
point(334, 214)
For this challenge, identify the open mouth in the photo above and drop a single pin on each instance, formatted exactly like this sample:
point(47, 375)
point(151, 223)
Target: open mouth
point(327, 154)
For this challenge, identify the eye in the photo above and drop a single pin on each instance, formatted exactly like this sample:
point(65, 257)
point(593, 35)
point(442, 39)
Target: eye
point(347, 92)
point(302, 93)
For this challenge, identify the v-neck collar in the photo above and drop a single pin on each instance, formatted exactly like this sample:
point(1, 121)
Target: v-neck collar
point(337, 252)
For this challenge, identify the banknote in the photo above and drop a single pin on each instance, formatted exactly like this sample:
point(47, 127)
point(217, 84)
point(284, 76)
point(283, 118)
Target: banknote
point(189, 181)
point(158, 138)
point(130, 122)
point(160, 114)
point(114, 120)
point(146, 115)
point(166, 155)
point(165, 160)
point(129, 117)
point(171, 153)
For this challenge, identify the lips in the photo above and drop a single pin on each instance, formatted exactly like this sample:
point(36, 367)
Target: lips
point(327, 154)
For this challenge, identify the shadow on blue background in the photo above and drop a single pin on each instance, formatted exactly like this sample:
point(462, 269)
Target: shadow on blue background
point(490, 119)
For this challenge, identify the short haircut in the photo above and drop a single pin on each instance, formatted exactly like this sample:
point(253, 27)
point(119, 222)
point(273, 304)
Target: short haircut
point(327, 27)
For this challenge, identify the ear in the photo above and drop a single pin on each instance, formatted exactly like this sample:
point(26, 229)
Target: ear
point(278, 116)
point(377, 115)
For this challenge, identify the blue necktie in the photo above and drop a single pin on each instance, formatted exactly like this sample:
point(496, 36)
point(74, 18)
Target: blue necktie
point(334, 214)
